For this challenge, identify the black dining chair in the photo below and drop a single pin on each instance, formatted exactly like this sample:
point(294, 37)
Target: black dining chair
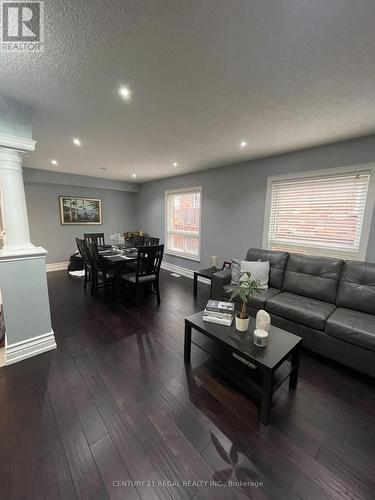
point(135, 241)
point(97, 238)
point(82, 248)
point(150, 240)
point(147, 271)
point(103, 274)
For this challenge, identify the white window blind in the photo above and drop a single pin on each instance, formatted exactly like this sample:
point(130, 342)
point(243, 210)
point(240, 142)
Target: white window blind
point(183, 216)
point(319, 216)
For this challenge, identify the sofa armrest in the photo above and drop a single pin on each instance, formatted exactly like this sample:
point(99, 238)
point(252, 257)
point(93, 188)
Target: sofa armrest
point(219, 280)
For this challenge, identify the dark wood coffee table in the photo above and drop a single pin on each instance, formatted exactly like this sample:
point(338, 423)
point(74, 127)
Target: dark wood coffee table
point(260, 370)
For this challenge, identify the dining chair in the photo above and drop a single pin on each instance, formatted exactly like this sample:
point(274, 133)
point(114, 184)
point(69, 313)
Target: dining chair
point(147, 271)
point(134, 241)
point(150, 240)
point(97, 238)
point(82, 248)
point(103, 274)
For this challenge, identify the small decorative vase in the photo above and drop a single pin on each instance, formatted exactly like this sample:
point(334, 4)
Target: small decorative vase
point(263, 320)
point(242, 325)
point(214, 261)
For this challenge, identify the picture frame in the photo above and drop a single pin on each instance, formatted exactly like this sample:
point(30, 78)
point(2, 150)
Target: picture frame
point(226, 265)
point(75, 210)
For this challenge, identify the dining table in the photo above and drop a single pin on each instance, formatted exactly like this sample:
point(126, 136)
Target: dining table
point(118, 258)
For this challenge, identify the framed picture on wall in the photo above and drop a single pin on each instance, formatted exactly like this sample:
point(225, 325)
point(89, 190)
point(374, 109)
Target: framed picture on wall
point(75, 210)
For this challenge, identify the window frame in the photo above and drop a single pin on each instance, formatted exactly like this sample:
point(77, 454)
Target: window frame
point(186, 233)
point(321, 173)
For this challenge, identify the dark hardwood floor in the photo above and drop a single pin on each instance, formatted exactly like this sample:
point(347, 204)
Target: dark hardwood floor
point(113, 413)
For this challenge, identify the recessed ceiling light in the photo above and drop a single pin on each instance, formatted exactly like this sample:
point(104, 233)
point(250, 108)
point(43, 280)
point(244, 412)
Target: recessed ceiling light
point(54, 162)
point(103, 168)
point(243, 144)
point(124, 92)
point(175, 164)
point(77, 141)
point(134, 176)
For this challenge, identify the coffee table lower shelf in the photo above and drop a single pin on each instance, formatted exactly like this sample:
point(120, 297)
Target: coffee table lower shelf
point(237, 369)
point(250, 376)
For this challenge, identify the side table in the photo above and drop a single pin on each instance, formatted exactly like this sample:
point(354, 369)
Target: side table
point(204, 273)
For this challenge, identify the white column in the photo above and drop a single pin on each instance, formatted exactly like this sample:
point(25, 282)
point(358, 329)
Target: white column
point(23, 279)
point(14, 211)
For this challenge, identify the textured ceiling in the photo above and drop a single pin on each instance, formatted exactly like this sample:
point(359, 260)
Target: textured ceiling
point(204, 74)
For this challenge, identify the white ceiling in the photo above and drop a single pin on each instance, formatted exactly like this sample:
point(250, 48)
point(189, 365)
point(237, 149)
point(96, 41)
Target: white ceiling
point(204, 75)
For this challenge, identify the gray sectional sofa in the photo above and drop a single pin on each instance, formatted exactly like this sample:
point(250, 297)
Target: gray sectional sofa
point(329, 302)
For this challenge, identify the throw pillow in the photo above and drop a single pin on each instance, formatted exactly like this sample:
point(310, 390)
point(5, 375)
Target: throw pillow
point(236, 271)
point(259, 271)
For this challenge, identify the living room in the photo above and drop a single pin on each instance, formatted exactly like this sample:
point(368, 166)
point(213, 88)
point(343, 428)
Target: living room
point(154, 157)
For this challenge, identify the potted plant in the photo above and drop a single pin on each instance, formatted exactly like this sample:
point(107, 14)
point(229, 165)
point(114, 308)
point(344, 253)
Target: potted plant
point(244, 289)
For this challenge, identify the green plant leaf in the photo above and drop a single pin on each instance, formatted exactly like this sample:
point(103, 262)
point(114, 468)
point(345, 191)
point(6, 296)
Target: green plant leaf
point(245, 288)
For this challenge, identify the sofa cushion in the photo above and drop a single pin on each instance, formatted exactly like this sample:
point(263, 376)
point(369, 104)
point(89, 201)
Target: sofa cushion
point(352, 326)
point(357, 287)
point(259, 298)
point(307, 311)
point(259, 271)
point(315, 277)
point(277, 262)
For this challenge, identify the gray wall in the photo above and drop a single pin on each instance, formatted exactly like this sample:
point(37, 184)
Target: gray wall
point(44, 216)
point(233, 202)
point(233, 198)
point(15, 118)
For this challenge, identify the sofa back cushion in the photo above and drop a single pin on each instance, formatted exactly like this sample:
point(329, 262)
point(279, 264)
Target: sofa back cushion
point(315, 277)
point(357, 287)
point(277, 262)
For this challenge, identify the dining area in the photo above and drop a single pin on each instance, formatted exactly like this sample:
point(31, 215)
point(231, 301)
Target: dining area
point(128, 267)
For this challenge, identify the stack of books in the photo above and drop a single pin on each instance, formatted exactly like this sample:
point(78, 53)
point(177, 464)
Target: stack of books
point(219, 312)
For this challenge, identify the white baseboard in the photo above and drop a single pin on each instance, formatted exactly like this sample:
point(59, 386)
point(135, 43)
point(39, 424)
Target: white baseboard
point(29, 347)
point(57, 266)
point(188, 273)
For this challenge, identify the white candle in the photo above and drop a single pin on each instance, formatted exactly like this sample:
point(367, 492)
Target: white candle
point(260, 338)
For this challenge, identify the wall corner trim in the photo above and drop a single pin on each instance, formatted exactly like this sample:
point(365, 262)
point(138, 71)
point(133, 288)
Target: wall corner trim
point(66, 180)
point(29, 347)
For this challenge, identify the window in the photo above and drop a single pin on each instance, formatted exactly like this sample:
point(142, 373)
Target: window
point(319, 214)
point(183, 222)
